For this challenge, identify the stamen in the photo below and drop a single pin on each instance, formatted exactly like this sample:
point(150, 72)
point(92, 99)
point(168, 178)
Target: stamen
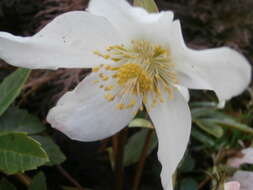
point(108, 88)
point(120, 106)
point(103, 76)
point(95, 69)
point(105, 56)
point(141, 68)
point(109, 97)
point(132, 103)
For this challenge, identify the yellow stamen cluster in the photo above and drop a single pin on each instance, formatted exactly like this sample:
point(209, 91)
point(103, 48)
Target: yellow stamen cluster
point(134, 74)
point(139, 69)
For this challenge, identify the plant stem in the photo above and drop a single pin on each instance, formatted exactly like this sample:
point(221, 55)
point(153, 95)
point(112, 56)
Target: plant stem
point(204, 182)
point(115, 147)
point(142, 160)
point(70, 178)
point(119, 145)
point(24, 179)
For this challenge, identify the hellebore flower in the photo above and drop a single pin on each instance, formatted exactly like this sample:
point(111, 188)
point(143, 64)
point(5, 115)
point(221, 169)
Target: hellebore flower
point(244, 178)
point(138, 59)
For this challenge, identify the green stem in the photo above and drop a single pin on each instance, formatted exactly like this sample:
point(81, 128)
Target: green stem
point(69, 177)
point(142, 160)
point(120, 141)
point(26, 180)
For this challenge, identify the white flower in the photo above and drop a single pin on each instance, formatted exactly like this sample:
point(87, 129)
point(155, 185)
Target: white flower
point(233, 185)
point(246, 158)
point(137, 58)
point(245, 179)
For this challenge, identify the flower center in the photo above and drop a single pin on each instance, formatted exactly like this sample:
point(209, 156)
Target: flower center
point(139, 69)
point(134, 75)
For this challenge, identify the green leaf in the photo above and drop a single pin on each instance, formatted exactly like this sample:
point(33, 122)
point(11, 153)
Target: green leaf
point(188, 164)
point(17, 120)
point(188, 184)
point(199, 113)
point(19, 153)
point(204, 104)
point(202, 137)
point(135, 144)
point(54, 153)
point(11, 87)
point(6, 185)
point(211, 116)
point(207, 112)
point(38, 182)
point(210, 127)
point(139, 122)
point(149, 5)
point(230, 123)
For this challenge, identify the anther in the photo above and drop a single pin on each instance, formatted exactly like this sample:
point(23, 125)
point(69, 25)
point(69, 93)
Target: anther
point(95, 69)
point(108, 88)
point(120, 106)
point(109, 97)
point(103, 77)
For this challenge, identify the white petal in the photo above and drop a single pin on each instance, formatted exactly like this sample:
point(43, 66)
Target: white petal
point(233, 185)
point(177, 44)
point(85, 115)
point(245, 179)
point(133, 22)
point(172, 121)
point(184, 91)
point(223, 70)
point(67, 42)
